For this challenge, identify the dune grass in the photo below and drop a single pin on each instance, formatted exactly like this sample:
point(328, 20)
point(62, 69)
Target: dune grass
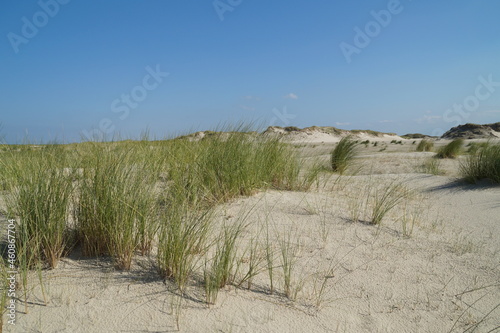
point(343, 154)
point(182, 238)
point(39, 198)
point(221, 270)
point(475, 146)
point(425, 145)
point(122, 199)
point(431, 166)
point(114, 204)
point(451, 150)
point(483, 163)
point(385, 198)
point(289, 250)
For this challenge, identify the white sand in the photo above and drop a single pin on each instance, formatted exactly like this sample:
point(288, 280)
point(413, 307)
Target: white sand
point(444, 277)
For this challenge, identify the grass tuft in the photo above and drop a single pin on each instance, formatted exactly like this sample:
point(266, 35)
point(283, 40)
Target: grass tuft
point(343, 154)
point(451, 150)
point(385, 199)
point(220, 273)
point(425, 145)
point(432, 166)
point(40, 199)
point(483, 163)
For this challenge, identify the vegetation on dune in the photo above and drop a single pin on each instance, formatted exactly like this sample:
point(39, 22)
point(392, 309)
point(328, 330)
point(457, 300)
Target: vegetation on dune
point(130, 198)
point(121, 199)
point(343, 154)
point(475, 146)
point(425, 145)
point(432, 166)
point(40, 189)
point(451, 150)
point(483, 162)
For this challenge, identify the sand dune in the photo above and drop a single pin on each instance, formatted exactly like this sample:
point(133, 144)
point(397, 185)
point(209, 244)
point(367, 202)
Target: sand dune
point(431, 266)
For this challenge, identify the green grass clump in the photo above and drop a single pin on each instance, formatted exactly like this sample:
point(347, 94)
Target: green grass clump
point(475, 146)
point(432, 166)
point(385, 199)
point(425, 145)
point(126, 198)
point(451, 150)
point(220, 273)
point(289, 252)
point(182, 236)
point(343, 154)
point(483, 163)
point(116, 198)
point(40, 198)
point(228, 165)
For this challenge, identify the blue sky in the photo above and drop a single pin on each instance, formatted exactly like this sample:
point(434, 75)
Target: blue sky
point(69, 67)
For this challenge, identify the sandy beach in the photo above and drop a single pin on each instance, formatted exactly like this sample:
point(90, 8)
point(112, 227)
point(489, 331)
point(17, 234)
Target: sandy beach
point(430, 266)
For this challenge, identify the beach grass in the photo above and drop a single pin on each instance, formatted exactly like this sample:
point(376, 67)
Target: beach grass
point(451, 150)
point(425, 145)
point(121, 199)
point(482, 163)
point(343, 154)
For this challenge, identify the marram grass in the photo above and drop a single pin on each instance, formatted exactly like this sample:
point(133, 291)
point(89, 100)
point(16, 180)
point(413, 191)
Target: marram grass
point(483, 163)
point(343, 154)
point(122, 199)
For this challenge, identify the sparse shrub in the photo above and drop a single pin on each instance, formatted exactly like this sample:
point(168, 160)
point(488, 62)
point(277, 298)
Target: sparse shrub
point(425, 145)
point(343, 154)
point(483, 163)
point(451, 150)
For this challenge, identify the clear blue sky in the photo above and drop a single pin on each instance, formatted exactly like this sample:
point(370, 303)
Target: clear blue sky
point(72, 66)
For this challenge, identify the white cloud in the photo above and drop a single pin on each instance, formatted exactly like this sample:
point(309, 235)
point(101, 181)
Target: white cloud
point(247, 108)
point(386, 121)
point(292, 96)
point(342, 124)
point(251, 98)
point(429, 118)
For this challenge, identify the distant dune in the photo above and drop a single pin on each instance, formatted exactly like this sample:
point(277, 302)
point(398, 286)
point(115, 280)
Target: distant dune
point(332, 134)
point(327, 134)
point(473, 131)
